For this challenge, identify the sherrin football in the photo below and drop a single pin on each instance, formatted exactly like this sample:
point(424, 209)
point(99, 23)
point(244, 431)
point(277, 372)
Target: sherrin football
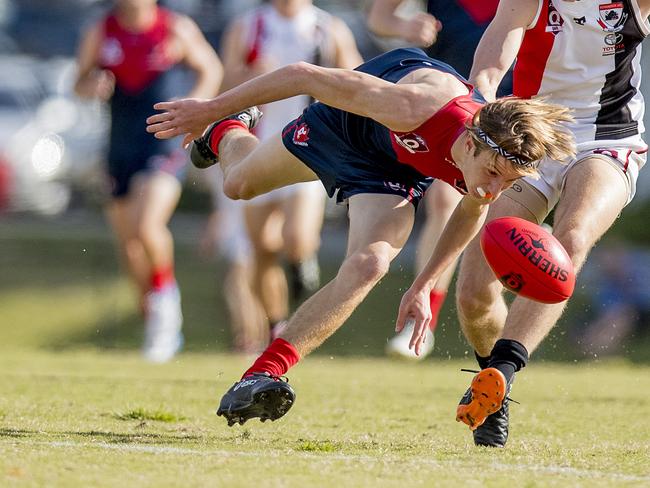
point(528, 260)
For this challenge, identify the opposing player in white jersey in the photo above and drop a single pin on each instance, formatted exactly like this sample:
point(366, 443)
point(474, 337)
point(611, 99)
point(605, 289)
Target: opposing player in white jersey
point(269, 37)
point(585, 55)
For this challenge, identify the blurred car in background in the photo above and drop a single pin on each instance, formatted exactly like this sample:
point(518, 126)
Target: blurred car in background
point(51, 143)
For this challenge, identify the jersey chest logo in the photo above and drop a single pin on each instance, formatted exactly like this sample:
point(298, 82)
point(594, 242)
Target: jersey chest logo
point(612, 17)
point(412, 142)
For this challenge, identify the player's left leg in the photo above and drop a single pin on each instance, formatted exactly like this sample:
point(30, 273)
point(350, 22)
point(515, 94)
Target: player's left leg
point(158, 193)
point(252, 168)
point(304, 209)
point(595, 192)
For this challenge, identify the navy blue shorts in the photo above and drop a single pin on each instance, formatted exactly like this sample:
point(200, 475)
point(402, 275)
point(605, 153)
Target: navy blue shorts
point(131, 149)
point(353, 154)
point(121, 172)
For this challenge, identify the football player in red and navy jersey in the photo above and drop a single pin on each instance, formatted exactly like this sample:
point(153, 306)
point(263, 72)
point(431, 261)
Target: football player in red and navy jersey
point(376, 138)
point(127, 59)
point(450, 30)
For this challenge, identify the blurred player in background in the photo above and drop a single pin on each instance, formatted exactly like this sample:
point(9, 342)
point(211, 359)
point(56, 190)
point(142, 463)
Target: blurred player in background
point(376, 138)
point(127, 59)
point(581, 54)
point(450, 30)
point(285, 222)
point(226, 233)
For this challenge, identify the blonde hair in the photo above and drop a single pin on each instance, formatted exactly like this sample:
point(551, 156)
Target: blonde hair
point(528, 130)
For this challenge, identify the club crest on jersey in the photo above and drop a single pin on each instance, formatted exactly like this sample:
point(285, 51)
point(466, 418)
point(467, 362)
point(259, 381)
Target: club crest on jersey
point(612, 17)
point(554, 21)
point(412, 142)
point(301, 135)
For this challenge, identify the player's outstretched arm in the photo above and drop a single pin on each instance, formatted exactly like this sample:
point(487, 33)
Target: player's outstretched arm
point(400, 107)
point(464, 224)
point(500, 43)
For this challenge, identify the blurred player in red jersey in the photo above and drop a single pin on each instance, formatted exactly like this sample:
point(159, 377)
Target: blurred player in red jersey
point(127, 59)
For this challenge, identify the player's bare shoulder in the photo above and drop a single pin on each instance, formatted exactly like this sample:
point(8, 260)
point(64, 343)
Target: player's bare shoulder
point(437, 86)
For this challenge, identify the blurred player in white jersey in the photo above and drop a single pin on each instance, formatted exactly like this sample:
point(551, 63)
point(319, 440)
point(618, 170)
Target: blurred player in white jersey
point(271, 36)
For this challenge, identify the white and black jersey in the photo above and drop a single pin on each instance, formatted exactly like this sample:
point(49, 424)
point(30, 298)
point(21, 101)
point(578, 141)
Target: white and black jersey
point(586, 55)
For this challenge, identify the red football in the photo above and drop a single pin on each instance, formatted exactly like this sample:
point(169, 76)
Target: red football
point(528, 260)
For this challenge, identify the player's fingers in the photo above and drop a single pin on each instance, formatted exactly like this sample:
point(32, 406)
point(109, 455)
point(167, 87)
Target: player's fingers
point(187, 140)
point(161, 117)
point(417, 324)
point(165, 105)
point(162, 126)
point(401, 318)
point(167, 134)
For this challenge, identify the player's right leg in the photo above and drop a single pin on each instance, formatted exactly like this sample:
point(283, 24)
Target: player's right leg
point(121, 215)
point(379, 228)
point(264, 222)
point(440, 200)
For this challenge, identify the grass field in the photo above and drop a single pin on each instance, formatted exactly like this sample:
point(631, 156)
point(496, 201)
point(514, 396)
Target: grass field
point(78, 407)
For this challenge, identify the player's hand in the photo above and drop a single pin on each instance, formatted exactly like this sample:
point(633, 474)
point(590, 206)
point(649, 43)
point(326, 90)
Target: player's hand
point(187, 117)
point(415, 306)
point(422, 30)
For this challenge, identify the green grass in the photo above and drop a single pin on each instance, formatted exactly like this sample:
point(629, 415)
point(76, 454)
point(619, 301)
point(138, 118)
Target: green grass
point(356, 422)
point(79, 407)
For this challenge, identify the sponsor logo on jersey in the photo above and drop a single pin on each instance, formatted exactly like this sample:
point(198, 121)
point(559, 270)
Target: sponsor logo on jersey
point(554, 22)
point(614, 44)
point(580, 20)
point(111, 53)
point(412, 142)
point(301, 135)
point(612, 17)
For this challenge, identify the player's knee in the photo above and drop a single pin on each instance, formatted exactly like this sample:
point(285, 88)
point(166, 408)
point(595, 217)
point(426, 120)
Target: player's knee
point(576, 242)
point(471, 300)
point(237, 188)
point(366, 267)
point(300, 246)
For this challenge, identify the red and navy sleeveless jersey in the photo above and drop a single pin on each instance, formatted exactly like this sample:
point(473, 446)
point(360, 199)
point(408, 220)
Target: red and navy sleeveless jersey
point(144, 74)
point(427, 149)
point(137, 58)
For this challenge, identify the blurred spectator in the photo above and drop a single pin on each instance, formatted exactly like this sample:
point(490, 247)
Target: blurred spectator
point(450, 30)
point(268, 37)
point(616, 282)
point(127, 58)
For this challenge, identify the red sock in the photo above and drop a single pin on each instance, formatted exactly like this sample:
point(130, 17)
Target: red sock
point(276, 359)
point(220, 130)
point(161, 277)
point(436, 299)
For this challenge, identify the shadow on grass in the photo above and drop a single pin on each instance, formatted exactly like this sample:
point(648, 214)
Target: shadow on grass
point(109, 437)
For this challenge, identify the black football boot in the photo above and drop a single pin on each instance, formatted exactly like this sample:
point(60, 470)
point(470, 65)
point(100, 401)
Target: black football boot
point(201, 154)
point(493, 430)
point(257, 395)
